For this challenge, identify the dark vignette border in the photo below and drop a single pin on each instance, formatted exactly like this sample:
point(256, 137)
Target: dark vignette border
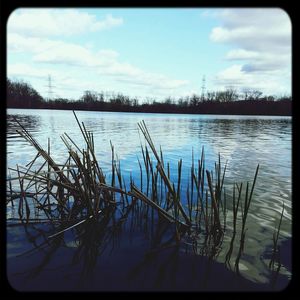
point(8, 6)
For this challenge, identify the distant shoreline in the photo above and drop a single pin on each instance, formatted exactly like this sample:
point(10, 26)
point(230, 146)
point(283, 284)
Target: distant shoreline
point(266, 112)
point(22, 95)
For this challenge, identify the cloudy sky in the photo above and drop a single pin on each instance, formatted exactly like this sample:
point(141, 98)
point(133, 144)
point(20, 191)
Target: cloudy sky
point(150, 52)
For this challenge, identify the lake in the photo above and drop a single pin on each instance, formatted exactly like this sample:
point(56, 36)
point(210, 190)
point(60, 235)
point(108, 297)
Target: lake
point(242, 142)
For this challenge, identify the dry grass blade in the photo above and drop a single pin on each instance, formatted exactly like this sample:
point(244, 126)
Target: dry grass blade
point(70, 227)
point(138, 194)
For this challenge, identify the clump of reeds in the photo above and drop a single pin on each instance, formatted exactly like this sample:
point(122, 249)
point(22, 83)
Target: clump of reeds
point(77, 193)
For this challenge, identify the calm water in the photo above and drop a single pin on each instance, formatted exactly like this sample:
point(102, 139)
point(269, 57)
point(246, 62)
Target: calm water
point(242, 141)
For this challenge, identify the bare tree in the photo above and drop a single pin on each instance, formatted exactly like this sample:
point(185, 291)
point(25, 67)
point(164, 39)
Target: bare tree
point(211, 96)
point(252, 94)
point(227, 96)
point(89, 97)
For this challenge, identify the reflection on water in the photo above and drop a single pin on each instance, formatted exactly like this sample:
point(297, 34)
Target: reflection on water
point(32, 123)
point(104, 257)
point(241, 140)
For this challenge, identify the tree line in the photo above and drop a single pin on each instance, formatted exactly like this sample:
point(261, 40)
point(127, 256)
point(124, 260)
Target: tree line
point(250, 102)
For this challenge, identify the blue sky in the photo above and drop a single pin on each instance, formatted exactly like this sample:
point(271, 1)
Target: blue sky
point(150, 53)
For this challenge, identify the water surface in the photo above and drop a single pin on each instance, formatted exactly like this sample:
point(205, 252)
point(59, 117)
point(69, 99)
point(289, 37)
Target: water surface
point(242, 141)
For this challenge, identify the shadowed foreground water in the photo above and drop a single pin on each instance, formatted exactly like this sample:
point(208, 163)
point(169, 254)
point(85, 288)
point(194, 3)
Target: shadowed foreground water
point(124, 263)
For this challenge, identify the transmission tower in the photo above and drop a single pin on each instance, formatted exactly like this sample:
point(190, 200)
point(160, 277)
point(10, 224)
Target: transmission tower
point(50, 87)
point(203, 87)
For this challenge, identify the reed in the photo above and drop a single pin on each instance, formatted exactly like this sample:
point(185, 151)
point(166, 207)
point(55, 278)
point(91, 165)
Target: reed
point(77, 193)
point(245, 210)
point(276, 249)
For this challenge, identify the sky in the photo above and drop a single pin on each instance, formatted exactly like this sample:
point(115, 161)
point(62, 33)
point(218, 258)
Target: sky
point(150, 53)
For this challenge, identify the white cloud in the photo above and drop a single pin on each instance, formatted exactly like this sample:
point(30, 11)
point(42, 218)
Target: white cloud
point(241, 54)
point(72, 84)
point(41, 22)
point(59, 52)
point(104, 62)
point(34, 33)
point(263, 41)
point(108, 53)
point(22, 69)
point(267, 61)
point(224, 35)
point(69, 84)
point(154, 81)
point(233, 73)
point(236, 77)
point(25, 70)
point(107, 23)
point(254, 29)
point(69, 54)
point(19, 43)
point(245, 17)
